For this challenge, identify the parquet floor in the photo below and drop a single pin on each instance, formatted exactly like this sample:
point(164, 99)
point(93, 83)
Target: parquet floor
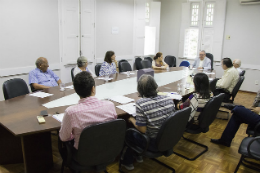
point(218, 159)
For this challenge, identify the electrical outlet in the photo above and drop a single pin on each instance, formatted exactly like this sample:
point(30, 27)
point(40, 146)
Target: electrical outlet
point(256, 82)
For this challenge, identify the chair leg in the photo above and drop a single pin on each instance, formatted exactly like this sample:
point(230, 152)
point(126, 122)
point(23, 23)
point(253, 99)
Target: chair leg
point(105, 171)
point(239, 163)
point(161, 163)
point(250, 165)
point(62, 167)
point(120, 166)
point(194, 158)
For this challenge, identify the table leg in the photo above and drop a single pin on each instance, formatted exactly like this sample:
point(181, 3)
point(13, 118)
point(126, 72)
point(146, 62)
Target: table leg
point(37, 152)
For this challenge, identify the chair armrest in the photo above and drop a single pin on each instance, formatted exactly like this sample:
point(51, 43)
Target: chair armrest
point(249, 144)
point(256, 129)
point(145, 137)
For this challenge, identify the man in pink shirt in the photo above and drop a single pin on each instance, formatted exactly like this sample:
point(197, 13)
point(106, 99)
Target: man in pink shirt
point(88, 111)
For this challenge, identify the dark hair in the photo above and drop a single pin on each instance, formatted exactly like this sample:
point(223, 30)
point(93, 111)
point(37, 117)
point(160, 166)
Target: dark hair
point(108, 56)
point(158, 55)
point(147, 87)
point(83, 83)
point(227, 62)
point(201, 83)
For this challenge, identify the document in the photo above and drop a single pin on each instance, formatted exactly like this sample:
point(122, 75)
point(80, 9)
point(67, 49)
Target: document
point(174, 95)
point(69, 87)
point(129, 108)
point(58, 117)
point(209, 72)
point(103, 78)
point(121, 99)
point(41, 94)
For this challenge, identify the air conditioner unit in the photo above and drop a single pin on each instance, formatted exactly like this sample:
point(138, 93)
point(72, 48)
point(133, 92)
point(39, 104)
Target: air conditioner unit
point(249, 1)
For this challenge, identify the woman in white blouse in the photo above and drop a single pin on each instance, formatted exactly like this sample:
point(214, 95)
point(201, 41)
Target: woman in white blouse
point(158, 62)
point(82, 63)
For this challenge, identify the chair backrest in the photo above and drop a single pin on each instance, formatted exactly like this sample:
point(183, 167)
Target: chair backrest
point(125, 66)
point(242, 73)
point(237, 87)
point(101, 143)
point(211, 57)
point(172, 129)
point(119, 64)
point(170, 60)
point(138, 63)
point(72, 73)
point(212, 84)
point(14, 88)
point(185, 64)
point(210, 111)
point(97, 69)
point(146, 64)
point(149, 58)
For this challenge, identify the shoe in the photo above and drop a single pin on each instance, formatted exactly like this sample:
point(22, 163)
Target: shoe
point(139, 159)
point(229, 106)
point(219, 141)
point(129, 167)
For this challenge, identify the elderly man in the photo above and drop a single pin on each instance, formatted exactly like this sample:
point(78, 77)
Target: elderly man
point(237, 64)
point(151, 111)
point(82, 65)
point(202, 62)
point(42, 77)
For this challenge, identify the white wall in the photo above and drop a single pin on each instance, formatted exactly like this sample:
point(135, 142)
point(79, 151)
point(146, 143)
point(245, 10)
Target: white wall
point(242, 24)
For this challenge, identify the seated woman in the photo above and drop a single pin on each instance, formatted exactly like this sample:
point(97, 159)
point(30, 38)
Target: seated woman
point(82, 63)
point(151, 111)
point(108, 67)
point(199, 98)
point(158, 62)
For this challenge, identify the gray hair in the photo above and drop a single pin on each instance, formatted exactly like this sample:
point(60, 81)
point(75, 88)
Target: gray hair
point(238, 62)
point(147, 87)
point(40, 61)
point(81, 61)
point(203, 51)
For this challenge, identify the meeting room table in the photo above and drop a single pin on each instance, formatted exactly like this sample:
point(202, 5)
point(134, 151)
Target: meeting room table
point(24, 140)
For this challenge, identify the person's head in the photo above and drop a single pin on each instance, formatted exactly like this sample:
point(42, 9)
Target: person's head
point(84, 84)
point(147, 87)
point(237, 63)
point(42, 64)
point(110, 56)
point(202, 55)
point(159, 56)
point(226, 63)
point(201, 84)
point(82, 61)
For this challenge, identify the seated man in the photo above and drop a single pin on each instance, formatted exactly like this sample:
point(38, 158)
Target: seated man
point(237, 64)
point(228, 81)
point(151, 111)
point(202, 62)
point(42, 77)
point(88, 111)
point(240, 115)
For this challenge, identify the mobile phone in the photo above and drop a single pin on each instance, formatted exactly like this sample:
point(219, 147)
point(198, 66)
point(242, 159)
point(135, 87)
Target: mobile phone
point(40, 119)
point(44, 113)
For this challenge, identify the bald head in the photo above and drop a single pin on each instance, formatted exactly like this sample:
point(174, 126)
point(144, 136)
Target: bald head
point(237, 63)
point(42, 64)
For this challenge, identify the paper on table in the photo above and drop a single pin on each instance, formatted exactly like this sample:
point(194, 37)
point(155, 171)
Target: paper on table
point(209, 72)
point(210, 79)
point(105, 78)
point(121, 99)
point(58, 117)
point(41, 94)
point(162, 93)
point(69, 87)
point(129, 108)
point(126, 73)
point(174, 95)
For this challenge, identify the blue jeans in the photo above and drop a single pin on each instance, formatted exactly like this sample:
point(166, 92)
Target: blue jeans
point(136, 140)
point(240, 115)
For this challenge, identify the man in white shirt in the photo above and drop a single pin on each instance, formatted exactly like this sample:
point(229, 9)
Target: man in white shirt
point(229, 79)
point(202, 62)
point(237, 64)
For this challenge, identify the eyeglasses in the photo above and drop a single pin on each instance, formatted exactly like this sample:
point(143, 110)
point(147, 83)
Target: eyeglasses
point(202, 54)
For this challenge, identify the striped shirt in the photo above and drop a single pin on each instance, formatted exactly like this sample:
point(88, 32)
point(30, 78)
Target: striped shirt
point(151, 112)
point(48, 78)
point(107, 69)
point(88, 111)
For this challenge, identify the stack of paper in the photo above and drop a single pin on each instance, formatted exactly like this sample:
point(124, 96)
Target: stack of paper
point(174, 95)
point(129, 108)
point(121, 99)
point(69, 87)
point(41, 94)
point(58, 117)
point(103, 78)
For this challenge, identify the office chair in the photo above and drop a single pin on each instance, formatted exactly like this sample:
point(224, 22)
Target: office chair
point(146, 64)
point(236, 88)
point(99, 145)
point(97, 69)
point(72, 73)
point(14, 88)
point(212, 84)
point(170, 60)
point(167, 137)
point(211, 57)
point(185, 64)
point(206, 117)
point(119, 66)
point(254, 131)
point(138, 63)
point(125, 66)
point(249, 148)
point(242, 73)
point(149, 58)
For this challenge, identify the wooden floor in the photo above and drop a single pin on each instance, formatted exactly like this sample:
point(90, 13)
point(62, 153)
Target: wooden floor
point(218, 159)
